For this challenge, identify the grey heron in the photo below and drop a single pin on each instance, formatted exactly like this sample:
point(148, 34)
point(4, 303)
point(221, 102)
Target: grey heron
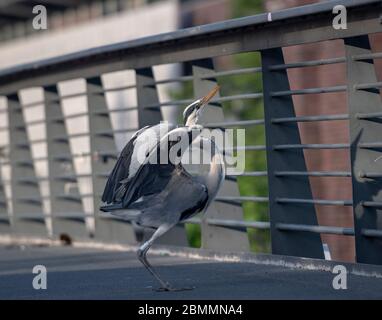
point(144, 140)
point(160, 195)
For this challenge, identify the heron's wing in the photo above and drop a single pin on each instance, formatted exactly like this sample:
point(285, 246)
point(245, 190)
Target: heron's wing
point(180, 199)
point(152, 177)
point(127, 164)
point(121, 168)
point(192, 195)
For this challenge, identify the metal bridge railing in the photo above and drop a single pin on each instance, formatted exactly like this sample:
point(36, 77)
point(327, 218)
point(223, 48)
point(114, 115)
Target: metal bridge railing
point(292, 208)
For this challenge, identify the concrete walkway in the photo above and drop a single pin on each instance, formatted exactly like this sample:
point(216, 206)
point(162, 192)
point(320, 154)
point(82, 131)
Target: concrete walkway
point(77, 273)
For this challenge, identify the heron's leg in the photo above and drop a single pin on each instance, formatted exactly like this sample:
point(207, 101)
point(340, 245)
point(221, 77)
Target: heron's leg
point(142, 251)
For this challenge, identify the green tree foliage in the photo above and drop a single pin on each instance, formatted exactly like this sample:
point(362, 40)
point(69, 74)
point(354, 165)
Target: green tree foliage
point(255, 135)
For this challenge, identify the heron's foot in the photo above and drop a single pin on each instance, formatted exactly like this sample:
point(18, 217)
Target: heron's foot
point(170, 288)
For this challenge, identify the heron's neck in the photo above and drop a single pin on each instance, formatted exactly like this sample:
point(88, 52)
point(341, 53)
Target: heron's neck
point(215, 175)
point(192, 120)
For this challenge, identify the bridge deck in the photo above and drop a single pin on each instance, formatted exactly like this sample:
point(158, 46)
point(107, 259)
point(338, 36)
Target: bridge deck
point(78, 273)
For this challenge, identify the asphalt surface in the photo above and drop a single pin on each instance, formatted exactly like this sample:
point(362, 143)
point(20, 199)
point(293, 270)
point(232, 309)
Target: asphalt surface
point(75, 273)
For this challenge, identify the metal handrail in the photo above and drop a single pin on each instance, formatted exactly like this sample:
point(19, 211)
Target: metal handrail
point(109, 54)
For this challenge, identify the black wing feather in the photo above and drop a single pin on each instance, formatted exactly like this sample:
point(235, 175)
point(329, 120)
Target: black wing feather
point(150, 179)
point(120, 171)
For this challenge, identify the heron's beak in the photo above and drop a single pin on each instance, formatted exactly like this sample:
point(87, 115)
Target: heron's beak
point(209, 96)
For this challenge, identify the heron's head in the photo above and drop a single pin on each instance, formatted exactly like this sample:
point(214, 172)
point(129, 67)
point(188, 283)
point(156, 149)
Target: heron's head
point(193, 111)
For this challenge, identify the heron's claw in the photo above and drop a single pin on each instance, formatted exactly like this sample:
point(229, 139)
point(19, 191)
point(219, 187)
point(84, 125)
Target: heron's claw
point(170, 288)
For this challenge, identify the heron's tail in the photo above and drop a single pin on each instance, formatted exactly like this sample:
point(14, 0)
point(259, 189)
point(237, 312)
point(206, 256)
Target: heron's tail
point(116, 209)
point(111, 207)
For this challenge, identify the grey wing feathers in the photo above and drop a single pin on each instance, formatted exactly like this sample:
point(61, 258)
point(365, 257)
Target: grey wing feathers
point(128, 164)
point(182, 198)
point(150, 179)
point(120, 171)
point(158, 182)
point(196, 196)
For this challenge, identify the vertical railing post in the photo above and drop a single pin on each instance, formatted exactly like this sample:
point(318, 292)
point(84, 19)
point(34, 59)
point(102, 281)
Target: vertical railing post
point(66, 207)
point(5, 222)
point(28, 217)
point(286, 242)
point(216, 237)
point(103, 150)
point(147, 95)
point(366, 161)
point(5, 208)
